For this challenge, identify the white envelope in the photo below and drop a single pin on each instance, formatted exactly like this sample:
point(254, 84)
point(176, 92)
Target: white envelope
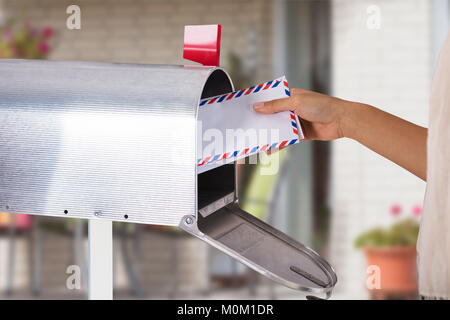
point(229, 129)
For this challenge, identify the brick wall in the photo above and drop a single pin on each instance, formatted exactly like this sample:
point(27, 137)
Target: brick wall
point(151, 31)
point(390, 68)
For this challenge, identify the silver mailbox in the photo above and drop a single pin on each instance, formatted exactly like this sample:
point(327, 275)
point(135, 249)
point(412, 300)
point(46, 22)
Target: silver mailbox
point(118, 142)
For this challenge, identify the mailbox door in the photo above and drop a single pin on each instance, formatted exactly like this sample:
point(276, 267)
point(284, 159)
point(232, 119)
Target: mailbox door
point(264, 249)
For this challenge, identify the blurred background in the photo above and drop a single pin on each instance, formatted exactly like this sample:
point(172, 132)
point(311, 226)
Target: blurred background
point(352, 206)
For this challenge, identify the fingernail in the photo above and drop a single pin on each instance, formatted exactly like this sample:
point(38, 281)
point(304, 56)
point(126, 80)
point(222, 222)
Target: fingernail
point(259, 105)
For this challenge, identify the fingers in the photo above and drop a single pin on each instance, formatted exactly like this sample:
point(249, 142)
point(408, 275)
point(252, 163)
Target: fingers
point(280, 104)
point(274, 105)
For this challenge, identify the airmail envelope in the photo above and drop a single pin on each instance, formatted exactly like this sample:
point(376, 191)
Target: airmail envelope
point(229, 129)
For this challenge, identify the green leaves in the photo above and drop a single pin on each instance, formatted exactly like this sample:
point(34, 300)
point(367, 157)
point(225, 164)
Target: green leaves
point(24, 41)
point(403, 233)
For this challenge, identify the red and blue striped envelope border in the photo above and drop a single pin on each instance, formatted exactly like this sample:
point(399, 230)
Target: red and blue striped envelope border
point(248, 151)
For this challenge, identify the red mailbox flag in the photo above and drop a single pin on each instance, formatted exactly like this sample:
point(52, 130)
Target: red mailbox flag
point(202, 44)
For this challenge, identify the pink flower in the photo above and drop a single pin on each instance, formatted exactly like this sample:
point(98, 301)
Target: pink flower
point(416, 210)
point(43, 47)
point(7, 34)
point(395, 209)
point(14, 51)
point(32, 31)
point(47, 32)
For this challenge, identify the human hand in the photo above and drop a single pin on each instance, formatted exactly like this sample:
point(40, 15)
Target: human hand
point(327, 118)
point(320, 115)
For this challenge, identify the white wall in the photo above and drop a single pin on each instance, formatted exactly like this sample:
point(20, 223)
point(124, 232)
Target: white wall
point(390, 68)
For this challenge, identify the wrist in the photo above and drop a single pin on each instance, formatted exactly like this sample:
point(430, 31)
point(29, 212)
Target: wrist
point(349, 113)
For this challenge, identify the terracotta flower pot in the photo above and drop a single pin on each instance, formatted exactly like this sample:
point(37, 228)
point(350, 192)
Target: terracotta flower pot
point(5, 219)
point(398, 271)
point(22, 221)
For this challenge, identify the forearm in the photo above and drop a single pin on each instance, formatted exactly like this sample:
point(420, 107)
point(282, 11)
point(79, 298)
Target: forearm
point(395, 139)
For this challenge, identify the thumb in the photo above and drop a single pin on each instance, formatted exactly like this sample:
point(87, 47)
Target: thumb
point(274, 106)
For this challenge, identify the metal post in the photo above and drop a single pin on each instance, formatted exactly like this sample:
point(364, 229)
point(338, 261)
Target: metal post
point(36, 256)
point(11, 254)
point(79, 253)
point(100, 260)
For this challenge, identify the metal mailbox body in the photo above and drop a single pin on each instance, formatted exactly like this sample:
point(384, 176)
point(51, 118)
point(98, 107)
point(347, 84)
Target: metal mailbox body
point(118, 142)
point(99, 139)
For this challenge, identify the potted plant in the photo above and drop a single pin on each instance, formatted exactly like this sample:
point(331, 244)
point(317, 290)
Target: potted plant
point(391, 256)
point(25, 41)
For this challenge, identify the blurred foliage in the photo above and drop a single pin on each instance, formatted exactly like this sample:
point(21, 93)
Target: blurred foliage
point(321, 234)
point(402, 233)
point(24, 41)
point(57, 225)
point(241, 79)
point(259, 192)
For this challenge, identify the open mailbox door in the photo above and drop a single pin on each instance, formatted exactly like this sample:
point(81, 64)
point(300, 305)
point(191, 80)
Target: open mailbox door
point(223, 224)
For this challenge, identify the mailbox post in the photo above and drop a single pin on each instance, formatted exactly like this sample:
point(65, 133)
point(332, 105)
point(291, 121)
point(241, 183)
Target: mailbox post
point(100, 269)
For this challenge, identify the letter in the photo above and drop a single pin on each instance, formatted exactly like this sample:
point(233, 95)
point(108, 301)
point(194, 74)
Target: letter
point(244, 309)
point(226, 309)
point(207, 311)
point(374, 279)
point(216, 146)
point(189, 310)
point(270, 163)
point(374, 17)
point(269, 309)
point(238, 139)
point(74, 20)
point(73, 281)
